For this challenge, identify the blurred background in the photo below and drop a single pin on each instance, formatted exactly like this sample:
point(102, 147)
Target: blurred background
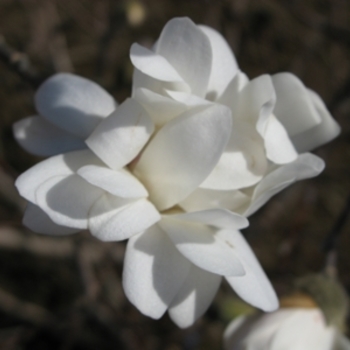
point(65, 293)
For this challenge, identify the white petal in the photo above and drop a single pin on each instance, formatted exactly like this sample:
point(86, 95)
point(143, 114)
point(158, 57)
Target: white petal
point(200, 244)
point(279, 147)
point(42, 138)
point(242, 164)
point(187, 99)
point(202, 199)
point(152, 64)
point(220, 218)
point(306, 166)
point(183, 153)
point(73, 103)
point(120, 183)
point(188, 50)
point(116, 219)
point(224, 66)
point(38, 221)
point(67, 200)
point(194, 297)
point(154, 271)
point(160, 108)
point(63, 164)
point(235, 331)
point(322, 133)
point(254, 287)
point(304, 330)
point(121, 136)
point(294, 108)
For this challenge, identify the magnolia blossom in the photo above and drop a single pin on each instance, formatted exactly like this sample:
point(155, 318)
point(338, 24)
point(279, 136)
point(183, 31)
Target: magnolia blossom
point(275, 119)
point(173, 168)
point(285, 329)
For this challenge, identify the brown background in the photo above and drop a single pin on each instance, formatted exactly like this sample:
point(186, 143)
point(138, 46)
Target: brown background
point(65, 293)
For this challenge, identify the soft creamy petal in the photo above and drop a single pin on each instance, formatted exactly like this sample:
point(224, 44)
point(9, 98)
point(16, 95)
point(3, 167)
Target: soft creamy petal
point(39, 137)
point(220, 218)
point(63, 164)
point(294, 108)
point(194, 297)
point(200, 244)
point(254, 287)
point(120, 183)
point(120, 137)
point(154, 271)
point(322, 133)
point(306, 166)
point(224, 66)
point(242, 164)
point(183, 153)
point(152, 64)
point(189, 51)
point(73, 103)
point(202, 199)
point(67, 200)
point(38, 221)
point(116, 219)
point(187, 99)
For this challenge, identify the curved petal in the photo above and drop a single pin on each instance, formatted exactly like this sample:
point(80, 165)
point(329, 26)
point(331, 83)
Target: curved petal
point(194, 297)
point(39, 137)
point(120, 183)
point(154, 271)
point(306, 166)
point(160, 108)
point(38, 221)
point(67, 200)
point(187, 99)
point(219, 218)
point(183, 153)
point(294, 109)
point(73, 103)
point(63, 164)
point(120, 137)
point(322, 133)
point(242, 164)
point(188, 50)
point(116, 219)
point(202, 199)
point(254, 287)
point(200, 244)
point(152, 64)
point(224, 65)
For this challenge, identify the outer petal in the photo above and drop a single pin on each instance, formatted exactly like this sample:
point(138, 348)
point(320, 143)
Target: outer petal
point(73, 103)
point(294, 109)
point(67, 200)
point(200, 244)
point(322, 133)
point(120, 137)
point(219, 218)
point(194, 297)
point(183, 153)
point(116, 219)
point(120, 183)
point(242, 164)
point(202, 199)
point(306, 166)
point(38, 221)
point(42, 138)
point(253, 287)
point(152, 64)
point(224, 66)
point(63, 164)
point(189, 51)
point(154, 271)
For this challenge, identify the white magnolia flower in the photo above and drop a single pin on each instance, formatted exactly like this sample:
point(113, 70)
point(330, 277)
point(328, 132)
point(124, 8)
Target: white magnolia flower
point(284, 329)
point(69, 108)
point(274, 118)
